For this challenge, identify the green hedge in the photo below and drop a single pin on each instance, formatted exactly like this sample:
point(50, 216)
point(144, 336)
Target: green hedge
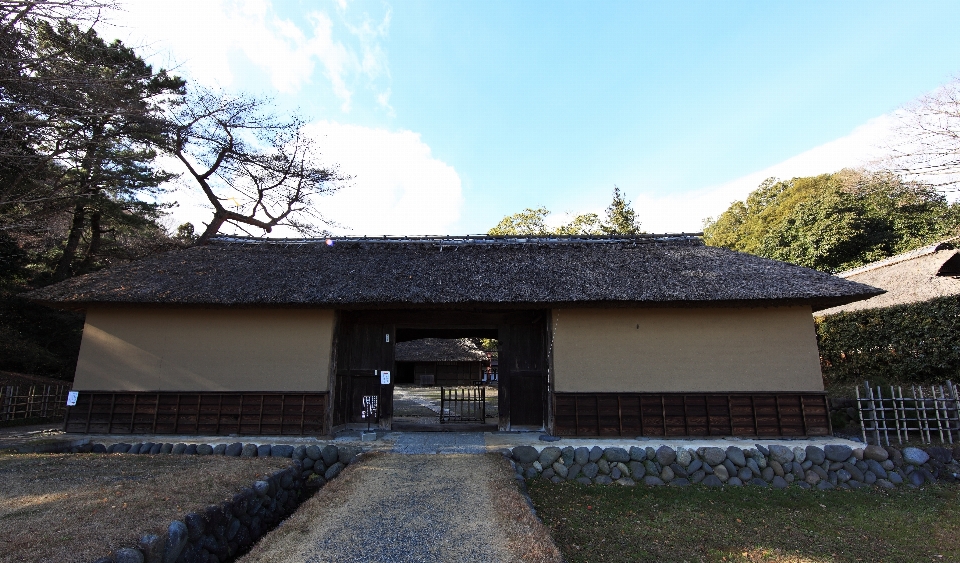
point(915, 343)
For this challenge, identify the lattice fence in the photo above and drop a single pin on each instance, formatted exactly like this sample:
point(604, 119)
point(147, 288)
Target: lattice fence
point(20, 402)
point(926, 412)
point(463, 404)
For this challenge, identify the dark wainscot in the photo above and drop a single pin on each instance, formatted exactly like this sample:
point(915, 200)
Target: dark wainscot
point(206, 413)
point(691, 414)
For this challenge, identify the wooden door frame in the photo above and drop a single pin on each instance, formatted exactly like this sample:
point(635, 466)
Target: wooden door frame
point(506, 373)
point(393, 320)
point(341, 376)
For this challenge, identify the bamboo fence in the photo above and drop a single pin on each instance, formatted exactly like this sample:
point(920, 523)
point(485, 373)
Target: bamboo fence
point(22, 402)
point(928, 412)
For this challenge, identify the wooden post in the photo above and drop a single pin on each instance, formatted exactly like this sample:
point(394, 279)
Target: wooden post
point(897, 405)
point(922, 416)
point(883, 417)
point(863, 423)
point(936, 410)
point(441, 404)
point(6, 403)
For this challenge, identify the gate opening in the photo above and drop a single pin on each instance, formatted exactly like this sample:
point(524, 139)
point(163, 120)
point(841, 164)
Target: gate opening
point(445, 384)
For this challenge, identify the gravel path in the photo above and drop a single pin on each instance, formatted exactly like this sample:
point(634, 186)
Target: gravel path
point(405, 508)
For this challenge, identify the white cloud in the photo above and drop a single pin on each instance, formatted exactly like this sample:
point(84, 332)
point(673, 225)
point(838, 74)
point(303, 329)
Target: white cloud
point(398, 187)
point(685, 212)
point(208, 37)
point(383, 98)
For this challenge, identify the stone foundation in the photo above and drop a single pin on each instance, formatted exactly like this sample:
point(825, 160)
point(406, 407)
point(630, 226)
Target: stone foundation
point(779, 466)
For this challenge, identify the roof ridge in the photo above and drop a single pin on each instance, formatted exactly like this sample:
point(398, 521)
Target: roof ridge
point(469, 239)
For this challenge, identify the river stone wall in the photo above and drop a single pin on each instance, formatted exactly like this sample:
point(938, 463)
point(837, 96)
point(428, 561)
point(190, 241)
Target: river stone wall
point(779, 466)
point(222, 532)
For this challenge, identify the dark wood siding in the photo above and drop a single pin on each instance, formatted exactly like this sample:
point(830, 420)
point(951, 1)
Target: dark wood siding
point(691, 414)
point(206, 413)
point(363, 351)
point(523, 372)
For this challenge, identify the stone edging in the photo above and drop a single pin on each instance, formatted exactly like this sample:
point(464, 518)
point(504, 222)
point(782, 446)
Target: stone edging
point(222, 532)
point(833, 466)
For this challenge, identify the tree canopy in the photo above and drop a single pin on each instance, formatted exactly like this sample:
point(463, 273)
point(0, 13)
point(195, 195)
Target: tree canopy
point(620, 219)
point(79, 126)
point(834, 222)
point(82, 122)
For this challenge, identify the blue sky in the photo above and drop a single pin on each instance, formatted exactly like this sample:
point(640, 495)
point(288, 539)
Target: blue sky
point(452, 114)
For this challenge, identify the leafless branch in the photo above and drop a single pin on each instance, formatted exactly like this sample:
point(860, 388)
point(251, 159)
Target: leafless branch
point(238, 152)
point(928, 146)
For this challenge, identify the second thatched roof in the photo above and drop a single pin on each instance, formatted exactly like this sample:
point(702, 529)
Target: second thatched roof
point(439, 350)
point(919, 275)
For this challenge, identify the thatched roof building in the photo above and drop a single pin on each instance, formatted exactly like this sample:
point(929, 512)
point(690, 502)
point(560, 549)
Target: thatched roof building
point(653, 335)
point(912, 277)
point(439, 350)
point(387, 273)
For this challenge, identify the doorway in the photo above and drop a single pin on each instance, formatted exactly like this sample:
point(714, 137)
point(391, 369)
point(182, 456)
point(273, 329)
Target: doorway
point(366, 350)
point(445, 384)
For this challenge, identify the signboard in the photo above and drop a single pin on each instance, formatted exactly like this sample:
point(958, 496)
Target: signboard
point(369, 407)
point(72, 398)
point(384, 378)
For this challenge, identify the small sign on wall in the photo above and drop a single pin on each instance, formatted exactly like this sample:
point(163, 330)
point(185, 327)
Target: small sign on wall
point(72, 398)
point(384, 378)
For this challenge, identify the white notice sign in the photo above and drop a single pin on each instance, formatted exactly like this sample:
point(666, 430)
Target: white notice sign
point(384, 378)
point(72, 398)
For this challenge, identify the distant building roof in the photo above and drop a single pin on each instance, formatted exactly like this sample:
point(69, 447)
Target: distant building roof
point(919, 275)
point(439, 350)
point(515, 272)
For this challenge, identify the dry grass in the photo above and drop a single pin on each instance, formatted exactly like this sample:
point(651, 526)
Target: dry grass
point(78, 507)
point(527, 536)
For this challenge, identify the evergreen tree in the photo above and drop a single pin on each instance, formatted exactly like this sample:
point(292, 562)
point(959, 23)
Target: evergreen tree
point(834, 222)
point(621, 219)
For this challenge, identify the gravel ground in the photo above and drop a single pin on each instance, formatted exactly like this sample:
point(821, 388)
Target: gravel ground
point(405, 508)
point(16, 435)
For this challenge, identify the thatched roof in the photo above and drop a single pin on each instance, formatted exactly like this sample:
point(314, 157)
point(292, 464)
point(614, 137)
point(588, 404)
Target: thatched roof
point(919, 275)
point(439, 350)
point(649, 270)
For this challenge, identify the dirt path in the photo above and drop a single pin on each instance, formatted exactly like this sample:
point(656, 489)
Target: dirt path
point(423, 508)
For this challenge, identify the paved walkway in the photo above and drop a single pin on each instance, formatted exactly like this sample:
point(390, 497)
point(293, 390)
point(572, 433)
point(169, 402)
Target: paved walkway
point(440, 443)
point(413, 508)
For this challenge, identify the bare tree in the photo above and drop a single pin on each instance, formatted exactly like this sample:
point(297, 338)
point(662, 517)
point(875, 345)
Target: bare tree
point(14, 12)
point(255, 169)
point(928, 142)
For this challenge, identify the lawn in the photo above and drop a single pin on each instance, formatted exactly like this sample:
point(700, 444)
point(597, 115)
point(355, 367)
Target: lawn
point(78, 507)
point(612, 523)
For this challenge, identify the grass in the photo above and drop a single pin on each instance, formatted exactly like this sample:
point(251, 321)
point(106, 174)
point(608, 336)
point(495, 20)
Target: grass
point(79, 507)
point(612, 523)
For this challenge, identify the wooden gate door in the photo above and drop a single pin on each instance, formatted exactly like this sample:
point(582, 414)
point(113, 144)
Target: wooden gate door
point(523, 373)
point(364, 351)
